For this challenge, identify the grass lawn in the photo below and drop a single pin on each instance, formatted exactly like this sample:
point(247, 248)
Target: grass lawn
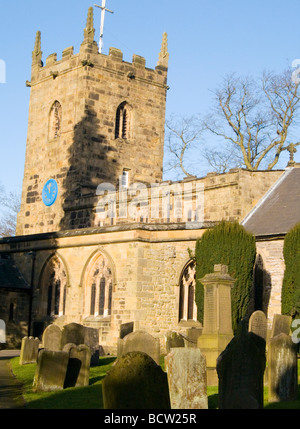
point(90, 397)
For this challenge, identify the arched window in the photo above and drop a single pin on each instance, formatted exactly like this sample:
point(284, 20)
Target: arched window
point(55, 120)
point(122, 122)
point(98, 287)
point(187, 305)
point(53, 286)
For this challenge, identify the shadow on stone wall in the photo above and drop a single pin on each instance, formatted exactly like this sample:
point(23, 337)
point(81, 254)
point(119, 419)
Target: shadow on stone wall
point(89, 165)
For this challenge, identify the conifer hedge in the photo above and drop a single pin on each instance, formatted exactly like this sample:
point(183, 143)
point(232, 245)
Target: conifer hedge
point(228, 243)
point(290, 295)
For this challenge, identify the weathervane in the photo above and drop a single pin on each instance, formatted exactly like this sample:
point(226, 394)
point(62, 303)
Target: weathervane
point(103, 10)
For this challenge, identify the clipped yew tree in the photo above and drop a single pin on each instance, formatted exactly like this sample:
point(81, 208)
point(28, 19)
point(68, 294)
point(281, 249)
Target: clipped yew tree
point(228, 243)
point(290, 295)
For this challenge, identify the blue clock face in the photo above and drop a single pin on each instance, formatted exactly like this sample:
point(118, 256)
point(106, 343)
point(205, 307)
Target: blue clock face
point(49, 193)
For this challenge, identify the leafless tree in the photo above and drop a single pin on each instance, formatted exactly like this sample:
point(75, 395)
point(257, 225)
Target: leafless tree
point(256, 119)
point(182, 135)
point(9, 208)
point(253, 120)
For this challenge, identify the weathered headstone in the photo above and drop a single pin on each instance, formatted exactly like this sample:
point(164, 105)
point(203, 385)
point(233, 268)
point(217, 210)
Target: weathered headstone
point(258, 324)
point(51, 371)
point(72, 333)
point(140, 341)
point(186, 369)
point(91, 339)
point(125, 329)
point(281, 325)
point(51, 338)
point(135, 381)
point(78, 370)
point(2, 332)
point(240, 370)
point(29, 350)
point(173, 339)
point(282, 369)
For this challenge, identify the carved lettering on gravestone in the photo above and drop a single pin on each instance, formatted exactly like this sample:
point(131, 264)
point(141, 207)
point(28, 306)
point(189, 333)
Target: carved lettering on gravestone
point(258, 324)
point(210, 310)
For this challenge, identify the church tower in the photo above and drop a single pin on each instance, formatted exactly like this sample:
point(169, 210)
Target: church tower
point(93, 118)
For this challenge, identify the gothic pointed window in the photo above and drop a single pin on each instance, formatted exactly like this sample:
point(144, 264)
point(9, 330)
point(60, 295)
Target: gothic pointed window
point(98, 287)
point(55, 121)
point(122, 122)
point(187, 305)
point(53, 286)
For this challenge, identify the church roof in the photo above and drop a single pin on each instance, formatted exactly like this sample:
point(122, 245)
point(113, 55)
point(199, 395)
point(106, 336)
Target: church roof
point(279, 210)
point(10, 276)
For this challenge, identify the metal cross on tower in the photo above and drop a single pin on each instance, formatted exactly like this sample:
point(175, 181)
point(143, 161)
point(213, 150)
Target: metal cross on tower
point(103, 10)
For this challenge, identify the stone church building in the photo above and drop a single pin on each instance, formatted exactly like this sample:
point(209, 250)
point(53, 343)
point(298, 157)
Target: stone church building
point(101, 239)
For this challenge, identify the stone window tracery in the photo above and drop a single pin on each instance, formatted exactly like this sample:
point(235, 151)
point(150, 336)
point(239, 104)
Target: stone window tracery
point(53, 289)
point(187, 305)
point(98, 287)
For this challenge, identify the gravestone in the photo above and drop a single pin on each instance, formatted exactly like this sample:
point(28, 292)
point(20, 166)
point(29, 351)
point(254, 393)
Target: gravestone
point(258, 324)
point(135, 381)
point(29, 350)
point(281, 325)
point(91, 339)
point(51, 371)
point(78, 370)
point(240, 369)
point(51, 338)
point(186, 370)
point(72, 333)
point(217, 324)
point(282, 369)
point(173, 340)
point(125, 329)
point(140, 341)
point(2, 332)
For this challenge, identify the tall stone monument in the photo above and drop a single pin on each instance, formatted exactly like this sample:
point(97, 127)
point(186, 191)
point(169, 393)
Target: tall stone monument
point(217, 326)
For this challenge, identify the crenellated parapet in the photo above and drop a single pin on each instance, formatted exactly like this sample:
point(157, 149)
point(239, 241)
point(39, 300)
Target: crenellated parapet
point(89, 56)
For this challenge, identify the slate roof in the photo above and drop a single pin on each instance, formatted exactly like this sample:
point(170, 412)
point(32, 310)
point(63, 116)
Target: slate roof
point(10, 276)
point(279, 210)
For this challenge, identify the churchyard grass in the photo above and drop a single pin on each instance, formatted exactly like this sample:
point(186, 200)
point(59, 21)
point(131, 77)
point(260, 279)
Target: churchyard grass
point(90, 397)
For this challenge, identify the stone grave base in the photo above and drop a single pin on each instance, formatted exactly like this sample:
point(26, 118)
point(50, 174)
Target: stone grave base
point(211, 346)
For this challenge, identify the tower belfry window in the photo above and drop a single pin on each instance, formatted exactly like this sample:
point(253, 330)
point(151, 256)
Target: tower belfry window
point(122, 122)
point(55, 120)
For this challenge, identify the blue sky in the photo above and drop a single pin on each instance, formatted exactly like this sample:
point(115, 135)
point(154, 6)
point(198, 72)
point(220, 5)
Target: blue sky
point(207, 40)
